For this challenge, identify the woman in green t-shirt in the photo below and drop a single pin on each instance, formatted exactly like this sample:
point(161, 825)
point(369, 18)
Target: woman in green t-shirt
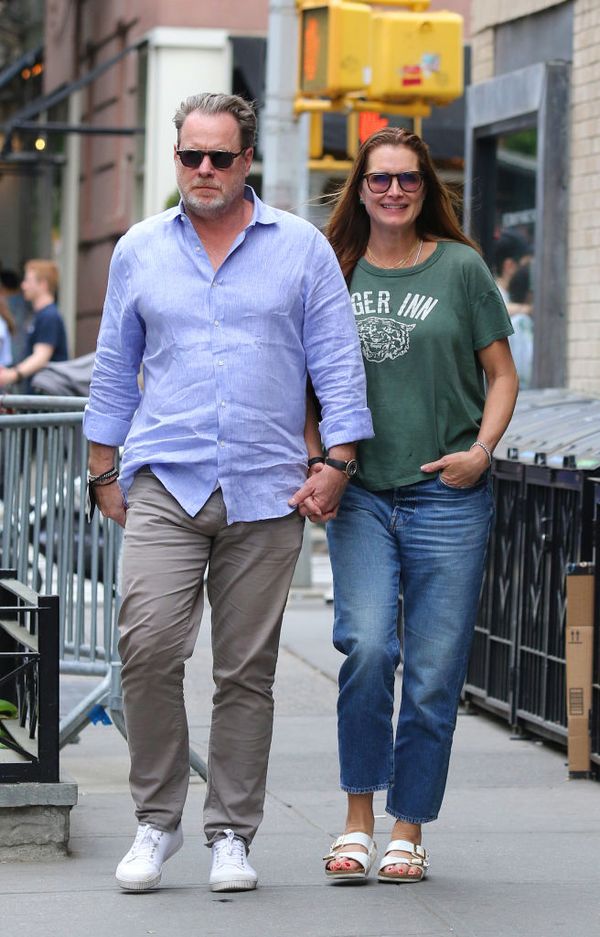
point(415, 521)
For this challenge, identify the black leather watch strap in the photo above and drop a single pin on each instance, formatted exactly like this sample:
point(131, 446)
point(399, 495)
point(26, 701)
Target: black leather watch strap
point(349, 468)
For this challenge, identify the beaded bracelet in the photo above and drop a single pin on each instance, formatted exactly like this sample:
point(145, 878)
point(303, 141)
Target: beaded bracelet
point(483, 446)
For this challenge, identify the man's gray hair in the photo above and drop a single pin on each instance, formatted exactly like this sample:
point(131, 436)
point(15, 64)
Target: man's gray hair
point(233, 104)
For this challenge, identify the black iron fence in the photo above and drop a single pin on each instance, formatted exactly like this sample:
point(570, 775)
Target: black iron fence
point(29, 690)
point(595, 728)
point(547, 514)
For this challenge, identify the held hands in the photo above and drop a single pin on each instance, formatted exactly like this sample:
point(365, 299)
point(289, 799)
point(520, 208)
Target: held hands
point(460, 469)
point(321, 493)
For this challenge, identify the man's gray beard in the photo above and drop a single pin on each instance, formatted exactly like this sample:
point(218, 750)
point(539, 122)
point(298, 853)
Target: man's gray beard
point(213, 209)
point(195, 206)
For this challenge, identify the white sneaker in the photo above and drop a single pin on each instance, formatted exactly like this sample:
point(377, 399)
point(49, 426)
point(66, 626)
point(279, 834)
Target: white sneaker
point(140, 869)
point(230, 869)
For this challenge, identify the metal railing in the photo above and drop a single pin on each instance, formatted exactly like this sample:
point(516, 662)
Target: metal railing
point(544, 523)
point(29, 632)
point(595, 727)
point(46, 538)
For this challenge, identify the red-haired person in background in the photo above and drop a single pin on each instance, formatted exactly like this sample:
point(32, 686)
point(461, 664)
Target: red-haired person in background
point(46, 337)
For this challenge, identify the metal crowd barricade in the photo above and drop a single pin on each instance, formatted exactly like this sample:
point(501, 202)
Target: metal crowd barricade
point(29, 633)
point(544, 492)
point(46, 538)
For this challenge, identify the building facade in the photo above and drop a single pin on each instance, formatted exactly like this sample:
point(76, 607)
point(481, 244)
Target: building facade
point(547, 53)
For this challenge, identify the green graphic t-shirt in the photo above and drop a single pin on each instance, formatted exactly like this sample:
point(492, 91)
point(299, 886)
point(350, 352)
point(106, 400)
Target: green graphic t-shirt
point(420, 330)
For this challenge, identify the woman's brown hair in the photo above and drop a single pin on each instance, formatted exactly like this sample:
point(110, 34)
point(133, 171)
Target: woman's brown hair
point(349, 226)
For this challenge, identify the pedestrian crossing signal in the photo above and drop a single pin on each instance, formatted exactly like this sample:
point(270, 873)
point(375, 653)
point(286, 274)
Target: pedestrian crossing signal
point(334, 47)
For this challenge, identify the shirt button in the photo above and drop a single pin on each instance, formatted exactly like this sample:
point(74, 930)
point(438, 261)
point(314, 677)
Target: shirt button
point(197, 249)
point(217, 323)
point(221, 363)
point(223, 404)
point(222, 443)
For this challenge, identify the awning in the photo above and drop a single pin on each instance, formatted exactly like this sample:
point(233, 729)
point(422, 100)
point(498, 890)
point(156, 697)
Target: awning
point(47, 101)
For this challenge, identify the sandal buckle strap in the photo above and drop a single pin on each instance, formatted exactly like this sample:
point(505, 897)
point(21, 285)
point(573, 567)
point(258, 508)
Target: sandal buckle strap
point(418, 854)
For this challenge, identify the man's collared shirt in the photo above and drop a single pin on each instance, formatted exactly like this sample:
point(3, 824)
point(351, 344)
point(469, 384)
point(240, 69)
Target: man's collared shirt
point(225, 358)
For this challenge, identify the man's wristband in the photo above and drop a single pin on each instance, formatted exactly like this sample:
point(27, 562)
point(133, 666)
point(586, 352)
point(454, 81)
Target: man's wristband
point(315, 459)
point(109, 481)
point(104, 479)
point(483, 446)
point(20, 376)
point(97, 481)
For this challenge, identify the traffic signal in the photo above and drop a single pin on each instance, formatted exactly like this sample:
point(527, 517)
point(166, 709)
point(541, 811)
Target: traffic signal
point(335, 47)
point(358, 55)
point(416, 55)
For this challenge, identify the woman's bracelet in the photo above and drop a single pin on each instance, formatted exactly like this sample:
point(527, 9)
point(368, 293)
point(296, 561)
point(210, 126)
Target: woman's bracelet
point(483, 446)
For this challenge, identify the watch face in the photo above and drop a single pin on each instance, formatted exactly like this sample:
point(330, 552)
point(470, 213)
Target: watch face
point(351, 468)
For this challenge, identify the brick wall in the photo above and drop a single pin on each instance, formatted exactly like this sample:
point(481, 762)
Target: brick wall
point(485, 13)
point(482, 61)
point(583, 297)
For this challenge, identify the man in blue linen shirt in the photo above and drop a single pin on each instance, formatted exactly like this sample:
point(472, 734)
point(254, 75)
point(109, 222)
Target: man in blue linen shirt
point(227, 305)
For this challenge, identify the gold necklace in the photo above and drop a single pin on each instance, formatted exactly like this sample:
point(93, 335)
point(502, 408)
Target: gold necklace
point(400, 263)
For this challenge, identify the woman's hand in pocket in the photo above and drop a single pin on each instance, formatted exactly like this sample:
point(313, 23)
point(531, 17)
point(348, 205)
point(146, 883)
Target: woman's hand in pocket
point(459, 469)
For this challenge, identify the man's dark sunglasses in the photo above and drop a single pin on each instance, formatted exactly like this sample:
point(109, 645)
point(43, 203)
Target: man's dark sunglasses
point(380, 182)
point(221, 159)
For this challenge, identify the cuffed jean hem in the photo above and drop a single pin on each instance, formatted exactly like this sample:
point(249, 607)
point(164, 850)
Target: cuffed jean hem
point(366, 790)
point(405, 819)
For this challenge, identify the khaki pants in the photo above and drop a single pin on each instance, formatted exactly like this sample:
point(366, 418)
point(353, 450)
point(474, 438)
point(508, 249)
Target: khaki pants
point(250, 568)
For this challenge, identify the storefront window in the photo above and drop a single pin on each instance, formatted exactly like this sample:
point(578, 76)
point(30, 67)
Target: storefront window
point(514, 239)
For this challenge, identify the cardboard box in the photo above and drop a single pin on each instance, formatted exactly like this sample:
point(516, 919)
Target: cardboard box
point(579, 658)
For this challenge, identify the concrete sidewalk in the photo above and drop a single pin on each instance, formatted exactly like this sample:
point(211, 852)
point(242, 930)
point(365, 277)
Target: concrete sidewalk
point(516, 852)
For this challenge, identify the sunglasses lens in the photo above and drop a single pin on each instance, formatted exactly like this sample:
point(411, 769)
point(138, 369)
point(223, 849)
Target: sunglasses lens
point(191, 159)
point(221, 159)
point(379, 182)
point(409, 181)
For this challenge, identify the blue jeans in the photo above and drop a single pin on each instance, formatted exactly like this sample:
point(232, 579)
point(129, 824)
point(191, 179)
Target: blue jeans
point(427, 541)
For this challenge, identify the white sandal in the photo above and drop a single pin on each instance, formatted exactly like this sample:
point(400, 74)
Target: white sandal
point(418, 858)
point(364, 859)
